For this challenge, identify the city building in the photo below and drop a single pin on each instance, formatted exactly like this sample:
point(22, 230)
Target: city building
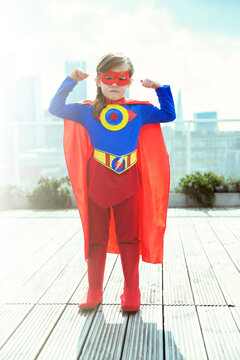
point(80, 91)
point(179, 123)
point(216, 151)
point(205, 125)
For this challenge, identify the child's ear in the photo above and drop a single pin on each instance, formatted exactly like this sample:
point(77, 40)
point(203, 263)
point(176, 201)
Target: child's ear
point(97, 81)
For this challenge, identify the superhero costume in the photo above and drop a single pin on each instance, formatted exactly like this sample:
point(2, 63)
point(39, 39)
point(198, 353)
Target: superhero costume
point(107, 159)
point(152, 161)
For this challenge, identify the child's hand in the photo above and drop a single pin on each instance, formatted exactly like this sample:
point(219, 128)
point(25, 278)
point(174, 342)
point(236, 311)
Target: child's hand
point(150, 84)
point(78, 75)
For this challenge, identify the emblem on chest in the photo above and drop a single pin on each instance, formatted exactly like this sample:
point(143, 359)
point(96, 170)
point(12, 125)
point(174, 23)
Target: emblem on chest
point(115, 117)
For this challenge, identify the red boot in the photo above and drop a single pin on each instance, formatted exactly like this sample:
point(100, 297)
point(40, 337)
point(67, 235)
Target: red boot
point(130, 299)
point(131, 296)
point(96, 267)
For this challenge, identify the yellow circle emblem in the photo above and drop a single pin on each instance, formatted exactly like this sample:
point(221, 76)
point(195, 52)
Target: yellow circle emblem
point(114, 117)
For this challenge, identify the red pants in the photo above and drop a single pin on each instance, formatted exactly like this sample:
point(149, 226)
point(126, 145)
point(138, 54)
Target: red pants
point(126, 217)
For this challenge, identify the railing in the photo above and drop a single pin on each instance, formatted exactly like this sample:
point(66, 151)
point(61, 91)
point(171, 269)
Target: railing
point(29, 150)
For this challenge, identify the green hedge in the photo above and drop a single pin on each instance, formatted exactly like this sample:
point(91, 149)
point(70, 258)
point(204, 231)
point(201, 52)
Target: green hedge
point(203, 186)
point(51, 193)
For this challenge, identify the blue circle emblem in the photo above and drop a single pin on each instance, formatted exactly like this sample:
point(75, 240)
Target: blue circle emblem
point(118, 167)
point(114, 117)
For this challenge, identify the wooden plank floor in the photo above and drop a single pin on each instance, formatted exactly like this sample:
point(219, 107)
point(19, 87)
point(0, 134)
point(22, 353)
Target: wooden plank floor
point(190, 304)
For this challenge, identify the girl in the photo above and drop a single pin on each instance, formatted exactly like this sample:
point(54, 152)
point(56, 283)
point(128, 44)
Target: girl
point(119, 168)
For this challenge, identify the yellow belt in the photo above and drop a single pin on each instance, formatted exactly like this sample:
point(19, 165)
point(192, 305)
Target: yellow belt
point(117, 163)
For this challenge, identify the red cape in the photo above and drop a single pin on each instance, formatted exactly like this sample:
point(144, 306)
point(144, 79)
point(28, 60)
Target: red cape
point(153, 162)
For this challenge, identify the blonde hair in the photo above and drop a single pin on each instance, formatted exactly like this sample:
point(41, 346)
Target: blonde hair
point(106, 63)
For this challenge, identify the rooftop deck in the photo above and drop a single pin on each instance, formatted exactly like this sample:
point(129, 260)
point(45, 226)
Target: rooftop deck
point(190, 304)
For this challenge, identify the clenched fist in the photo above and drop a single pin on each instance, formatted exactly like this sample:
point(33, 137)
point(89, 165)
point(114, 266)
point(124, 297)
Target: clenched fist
point(78, 75)
point(150, 84)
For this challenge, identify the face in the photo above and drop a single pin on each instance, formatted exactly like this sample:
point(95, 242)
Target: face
point(114, 91)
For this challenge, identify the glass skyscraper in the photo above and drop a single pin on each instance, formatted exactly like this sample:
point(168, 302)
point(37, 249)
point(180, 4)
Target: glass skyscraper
point(80, 91)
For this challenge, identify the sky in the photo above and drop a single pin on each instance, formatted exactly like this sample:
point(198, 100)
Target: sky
point(191, 45)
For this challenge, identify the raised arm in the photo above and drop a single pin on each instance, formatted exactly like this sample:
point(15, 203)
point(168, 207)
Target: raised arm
point(58, 105)
point(152, 114)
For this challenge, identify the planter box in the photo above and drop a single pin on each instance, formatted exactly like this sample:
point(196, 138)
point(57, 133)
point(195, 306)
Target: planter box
point(177, 200)
point(221, 200)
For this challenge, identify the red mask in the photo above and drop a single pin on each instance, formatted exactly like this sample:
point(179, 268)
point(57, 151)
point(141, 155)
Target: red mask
point(111, 77)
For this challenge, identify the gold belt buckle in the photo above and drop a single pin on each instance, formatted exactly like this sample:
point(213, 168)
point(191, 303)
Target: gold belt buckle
point(118, 164)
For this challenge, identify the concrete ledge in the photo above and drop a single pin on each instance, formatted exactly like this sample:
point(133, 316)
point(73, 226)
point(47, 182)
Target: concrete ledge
point(177, 200)
point(221, 200)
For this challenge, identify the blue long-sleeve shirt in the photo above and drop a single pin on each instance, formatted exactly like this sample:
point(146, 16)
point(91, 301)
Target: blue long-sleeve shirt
point(115, 142)
point(106, 187)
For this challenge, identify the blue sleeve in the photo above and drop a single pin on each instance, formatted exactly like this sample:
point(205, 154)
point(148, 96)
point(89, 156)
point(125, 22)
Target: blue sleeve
point(58, 107)
point(152, 114)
